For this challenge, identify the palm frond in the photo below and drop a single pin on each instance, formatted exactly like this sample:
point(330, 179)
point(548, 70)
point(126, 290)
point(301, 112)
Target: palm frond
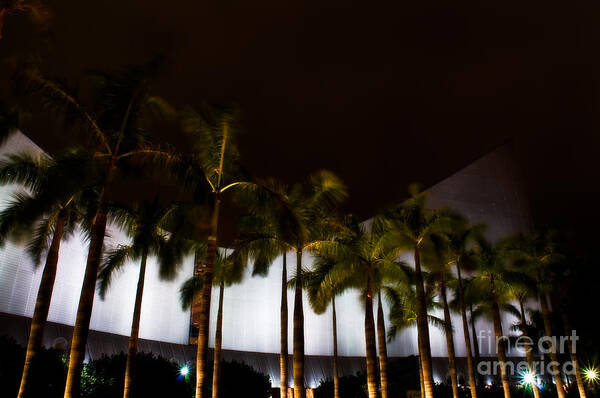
point(41, 238)
point(114, 260)
point(18, 217)
point(188, 289)
point(22, 169)
point(58, 99)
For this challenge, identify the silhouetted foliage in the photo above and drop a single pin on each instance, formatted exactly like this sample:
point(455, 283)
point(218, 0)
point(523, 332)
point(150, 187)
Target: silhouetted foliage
point(104, 377)
point(48, 370)
point(155, 376)
point(354, 386)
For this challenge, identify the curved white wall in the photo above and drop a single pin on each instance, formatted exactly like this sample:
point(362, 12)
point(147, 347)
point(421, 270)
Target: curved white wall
point(251, 309)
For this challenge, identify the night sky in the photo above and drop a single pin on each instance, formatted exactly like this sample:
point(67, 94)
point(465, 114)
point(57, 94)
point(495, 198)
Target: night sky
point(383, 93)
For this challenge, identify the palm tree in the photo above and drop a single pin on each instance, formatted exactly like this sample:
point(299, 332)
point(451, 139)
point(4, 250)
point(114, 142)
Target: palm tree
point(438, 258)
point(472, 297)
point(538, 252)
point(213, 169)
point(116, 124)
point(268, 230)
point(459, 238)
point(569, 331)
point(403, 314)
point(362, 261)
point(521, 295)
point(382, 347)
point(302, 220)
point(226, 272)
point(49, 212)
point(323, 283)
point(412, 225)
point(476, 352)
point(493, 270)
point(145, 223)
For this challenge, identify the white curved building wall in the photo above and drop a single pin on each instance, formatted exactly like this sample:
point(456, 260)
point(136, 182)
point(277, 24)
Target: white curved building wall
point(251, 309)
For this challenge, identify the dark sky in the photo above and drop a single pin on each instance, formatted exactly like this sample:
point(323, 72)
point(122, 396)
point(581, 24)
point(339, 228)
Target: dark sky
point(383, 93)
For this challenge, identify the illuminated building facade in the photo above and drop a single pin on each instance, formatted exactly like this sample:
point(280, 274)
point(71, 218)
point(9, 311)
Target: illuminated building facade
point(487, 191)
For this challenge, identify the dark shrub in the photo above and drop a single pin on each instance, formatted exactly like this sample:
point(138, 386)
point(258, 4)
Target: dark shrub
point(104, 377)
point(350, 387)
point(155, 376)
point(48, 371)
point(11, 363)
point(241, 380)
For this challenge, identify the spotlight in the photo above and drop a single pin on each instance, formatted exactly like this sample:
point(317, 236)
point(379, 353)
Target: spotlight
point(184, 370)
point(591, 375)
point(528, 378)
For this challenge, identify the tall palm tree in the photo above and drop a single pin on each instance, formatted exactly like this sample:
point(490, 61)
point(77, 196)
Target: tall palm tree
point(361, 260)
point(402, 299)
point(538, 252)
point(476, 351)
point(412, 225)
point(49, 211)
point(472, 297)
point(306, 220)
point(116, 124)
point(479, 300)
point(226, 272)
point(521, 294)
point(382, 347)
point(214, 169)
point(493, 270)
point(323, 283)
point(145, 224)
point(459, 237)
point(268, 229)
point(437, 257)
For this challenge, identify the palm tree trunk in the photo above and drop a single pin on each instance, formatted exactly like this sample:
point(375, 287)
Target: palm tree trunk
point(573, 354)
point(218, 344)
point(423, 328)
point(528, 351)
point(86, 301)
point(463, 314)
point(201, 308)
point(560, 390)
point(135, 330)
point(371, 350)
point(42, 304)
point(283, 356)
point(421, 383)
point(449, 340)
point(475, 343)
point(499, 340)
point(336, 379)
point(298, 350)
point(381, 340)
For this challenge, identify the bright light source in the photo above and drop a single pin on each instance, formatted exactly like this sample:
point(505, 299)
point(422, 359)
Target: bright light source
point(591, 375)
point(528, 378)
point(184, 370)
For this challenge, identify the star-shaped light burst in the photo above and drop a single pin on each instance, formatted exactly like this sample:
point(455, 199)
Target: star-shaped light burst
point(591, 375)
point(528, 378)
point(184, 370)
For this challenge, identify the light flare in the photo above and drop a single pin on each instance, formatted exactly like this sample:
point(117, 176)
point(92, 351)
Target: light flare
point(591, 375)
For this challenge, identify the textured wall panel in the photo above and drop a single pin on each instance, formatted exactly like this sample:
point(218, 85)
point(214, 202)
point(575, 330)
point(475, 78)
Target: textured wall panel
point(486, 191)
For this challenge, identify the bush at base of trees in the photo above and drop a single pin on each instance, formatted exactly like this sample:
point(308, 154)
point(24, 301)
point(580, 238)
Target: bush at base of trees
point(103, 377)
point(48, 370)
